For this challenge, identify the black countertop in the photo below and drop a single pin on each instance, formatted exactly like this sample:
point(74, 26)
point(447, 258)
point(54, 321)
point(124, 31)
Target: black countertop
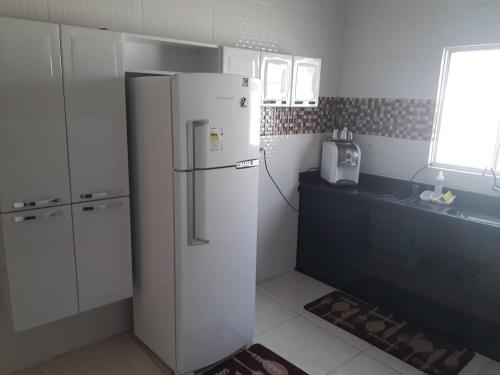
point(476, 208)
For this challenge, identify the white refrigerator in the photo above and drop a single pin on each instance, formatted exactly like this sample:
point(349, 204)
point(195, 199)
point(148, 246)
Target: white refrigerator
point(194, 141)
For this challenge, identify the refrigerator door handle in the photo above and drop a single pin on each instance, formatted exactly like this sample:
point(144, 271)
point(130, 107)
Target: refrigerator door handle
point(190, 140)
point(193, 239)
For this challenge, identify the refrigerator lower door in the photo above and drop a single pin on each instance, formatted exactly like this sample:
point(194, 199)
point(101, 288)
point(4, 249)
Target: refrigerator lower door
point(215, 256)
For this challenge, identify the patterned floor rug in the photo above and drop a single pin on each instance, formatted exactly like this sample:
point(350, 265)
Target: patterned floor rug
point(255, 360)
point(429, 353)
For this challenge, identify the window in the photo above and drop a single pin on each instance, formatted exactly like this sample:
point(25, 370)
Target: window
point(467, 125)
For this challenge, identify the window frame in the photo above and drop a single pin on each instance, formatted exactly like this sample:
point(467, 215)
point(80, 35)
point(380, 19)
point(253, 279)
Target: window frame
point(436, 128)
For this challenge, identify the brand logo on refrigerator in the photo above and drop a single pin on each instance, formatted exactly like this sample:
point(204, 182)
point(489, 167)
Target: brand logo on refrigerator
point(244, 82)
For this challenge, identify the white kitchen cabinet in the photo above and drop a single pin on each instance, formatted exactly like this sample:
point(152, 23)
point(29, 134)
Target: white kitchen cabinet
point(94, 89)
point(40, 262)
point(146, 54)
point(103, 251)
point(244, 62)
point(276, 76)
point(33, 149)
point(306, 80)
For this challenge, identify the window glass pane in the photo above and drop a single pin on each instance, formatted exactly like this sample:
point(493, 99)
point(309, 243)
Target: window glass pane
point(470, 113)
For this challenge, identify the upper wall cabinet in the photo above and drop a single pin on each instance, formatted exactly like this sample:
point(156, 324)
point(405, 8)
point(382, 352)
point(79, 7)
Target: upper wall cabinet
point(163, 56)
point(94, 84)
point(306, 79)
point(33, 150)
point(244, 62)
point(276, 76)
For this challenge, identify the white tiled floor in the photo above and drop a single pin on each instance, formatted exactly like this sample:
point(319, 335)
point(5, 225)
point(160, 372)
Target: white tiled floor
point(321, 348)
point(282, 325)
point(118, 355)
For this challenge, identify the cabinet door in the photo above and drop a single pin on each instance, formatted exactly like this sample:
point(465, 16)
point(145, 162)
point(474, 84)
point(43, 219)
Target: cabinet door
point(276, 75)
point(244, 62)
point(40, 261)
point(33, 150)
point(306, 80)
point(94, 87)
point(103, 252)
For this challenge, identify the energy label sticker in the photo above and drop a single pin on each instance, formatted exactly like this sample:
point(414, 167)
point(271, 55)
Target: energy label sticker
point(216, 139)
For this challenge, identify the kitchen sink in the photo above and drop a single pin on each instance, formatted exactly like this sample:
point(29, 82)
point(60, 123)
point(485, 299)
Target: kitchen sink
point(389, 193)
point(474, 216)
point(462, 213)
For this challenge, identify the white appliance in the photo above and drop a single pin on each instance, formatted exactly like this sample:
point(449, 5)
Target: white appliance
point(194, 150)
point(340, 162)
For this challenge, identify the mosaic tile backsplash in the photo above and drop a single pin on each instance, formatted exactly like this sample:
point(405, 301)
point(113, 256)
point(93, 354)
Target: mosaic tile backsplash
point(397, 118)
point(298, 120)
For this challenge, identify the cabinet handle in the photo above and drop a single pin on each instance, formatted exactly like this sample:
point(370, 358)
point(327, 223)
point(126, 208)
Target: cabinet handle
point(302, 102)
point(48, 215)
point(102, 206)
point(98, 195)
point(44, 202)
point(269, 101)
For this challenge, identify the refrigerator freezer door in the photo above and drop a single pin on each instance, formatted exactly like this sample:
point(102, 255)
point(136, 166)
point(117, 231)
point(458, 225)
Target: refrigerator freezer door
point(216, 118)
point(215, 277)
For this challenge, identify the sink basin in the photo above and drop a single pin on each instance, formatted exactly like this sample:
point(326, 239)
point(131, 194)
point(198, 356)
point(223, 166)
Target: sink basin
point(377, 190)
point(389, 193)
point(385, 188)
point(416, 202)
point(474, 216)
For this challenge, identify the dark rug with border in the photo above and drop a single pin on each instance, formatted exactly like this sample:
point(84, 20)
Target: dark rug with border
point(427, 352)
point(257, 359)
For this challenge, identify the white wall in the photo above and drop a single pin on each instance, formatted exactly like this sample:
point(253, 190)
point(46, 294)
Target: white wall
point(301, 27)
point(393, 49)
point(277, 235)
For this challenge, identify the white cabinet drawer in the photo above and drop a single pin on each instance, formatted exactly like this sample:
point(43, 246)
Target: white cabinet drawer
point(94, 89)
point(40, 260)
point(33, 149)
point(103, 251)
point(306, 80)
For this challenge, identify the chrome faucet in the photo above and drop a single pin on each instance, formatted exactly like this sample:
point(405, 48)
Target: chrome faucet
point(495, 186)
